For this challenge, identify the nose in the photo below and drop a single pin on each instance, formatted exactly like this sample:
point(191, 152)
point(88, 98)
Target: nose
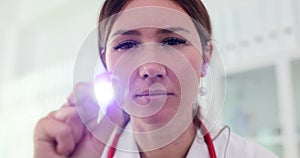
point(152, 70)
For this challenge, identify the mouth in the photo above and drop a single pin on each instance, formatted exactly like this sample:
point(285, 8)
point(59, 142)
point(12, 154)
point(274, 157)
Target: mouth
point(153, 94)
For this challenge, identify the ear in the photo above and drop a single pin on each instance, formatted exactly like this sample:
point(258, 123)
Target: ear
point(207, 53)
point(103, 57)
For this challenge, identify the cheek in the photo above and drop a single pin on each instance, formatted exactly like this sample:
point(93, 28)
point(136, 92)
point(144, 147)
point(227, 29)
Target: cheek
point(195, 59)
point(111, 60)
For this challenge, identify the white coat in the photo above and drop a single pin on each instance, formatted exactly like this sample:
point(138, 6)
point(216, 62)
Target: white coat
point(237, 147)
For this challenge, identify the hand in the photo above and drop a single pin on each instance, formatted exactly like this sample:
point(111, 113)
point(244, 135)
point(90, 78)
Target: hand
point(65, 133)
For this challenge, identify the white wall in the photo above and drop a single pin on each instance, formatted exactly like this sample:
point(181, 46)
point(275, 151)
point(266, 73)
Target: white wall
point(39, 41)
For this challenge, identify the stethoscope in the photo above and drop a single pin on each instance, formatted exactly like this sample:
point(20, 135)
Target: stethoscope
point(207, 138)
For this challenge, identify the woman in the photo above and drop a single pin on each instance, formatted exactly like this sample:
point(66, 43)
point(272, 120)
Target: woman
point(159, 63)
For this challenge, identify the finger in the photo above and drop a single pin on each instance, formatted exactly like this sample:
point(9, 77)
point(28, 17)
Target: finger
point(43, 149)
point(86, 103)
point(70, 116)
point(61, 137)
point(82, 92)
point(65, 113)
point(88, 108)
point(90, 147)
point(71, 99)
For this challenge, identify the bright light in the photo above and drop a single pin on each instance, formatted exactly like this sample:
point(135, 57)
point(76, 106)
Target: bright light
point(104, 93)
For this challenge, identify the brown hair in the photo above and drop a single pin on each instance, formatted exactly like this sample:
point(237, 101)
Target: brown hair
point(194, 8)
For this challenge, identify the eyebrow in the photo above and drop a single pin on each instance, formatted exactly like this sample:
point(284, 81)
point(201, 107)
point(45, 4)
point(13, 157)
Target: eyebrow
point(126, 32)
point(135, 32)
point(170, 30)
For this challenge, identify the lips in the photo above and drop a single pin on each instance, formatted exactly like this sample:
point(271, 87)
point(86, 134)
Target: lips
point(148, 93)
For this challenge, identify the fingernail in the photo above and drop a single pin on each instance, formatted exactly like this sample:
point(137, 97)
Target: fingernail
point(59, 115)
point(71, 100)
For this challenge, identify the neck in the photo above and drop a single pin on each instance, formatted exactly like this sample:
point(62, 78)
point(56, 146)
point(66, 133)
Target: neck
point(149, 142)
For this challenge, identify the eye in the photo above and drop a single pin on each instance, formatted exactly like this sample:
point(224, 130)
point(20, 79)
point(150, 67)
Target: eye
point(172, 41)
point(124, 45)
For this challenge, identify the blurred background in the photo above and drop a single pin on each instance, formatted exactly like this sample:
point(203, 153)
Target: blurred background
point(257, 39)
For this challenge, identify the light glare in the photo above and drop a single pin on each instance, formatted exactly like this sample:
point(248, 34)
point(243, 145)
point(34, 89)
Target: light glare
point(104, 94)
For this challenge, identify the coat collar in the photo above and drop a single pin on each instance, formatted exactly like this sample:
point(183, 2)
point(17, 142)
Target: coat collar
point(127, 146)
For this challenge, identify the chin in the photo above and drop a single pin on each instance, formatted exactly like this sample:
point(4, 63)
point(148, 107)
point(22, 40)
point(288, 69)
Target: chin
point(161, 118)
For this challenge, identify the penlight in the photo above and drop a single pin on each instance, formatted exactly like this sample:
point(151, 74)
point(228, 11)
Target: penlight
point(104, 92)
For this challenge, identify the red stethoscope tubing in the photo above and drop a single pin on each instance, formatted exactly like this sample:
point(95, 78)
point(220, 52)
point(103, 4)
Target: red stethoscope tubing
point(207, 138)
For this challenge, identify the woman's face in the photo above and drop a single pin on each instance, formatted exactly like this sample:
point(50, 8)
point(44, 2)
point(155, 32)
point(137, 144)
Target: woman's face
point(155, 79)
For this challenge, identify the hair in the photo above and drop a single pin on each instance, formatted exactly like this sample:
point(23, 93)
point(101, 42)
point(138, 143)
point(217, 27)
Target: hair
point(194, 8)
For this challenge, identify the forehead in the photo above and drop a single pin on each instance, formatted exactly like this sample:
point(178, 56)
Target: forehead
point(171, 4)
point(160, 14)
